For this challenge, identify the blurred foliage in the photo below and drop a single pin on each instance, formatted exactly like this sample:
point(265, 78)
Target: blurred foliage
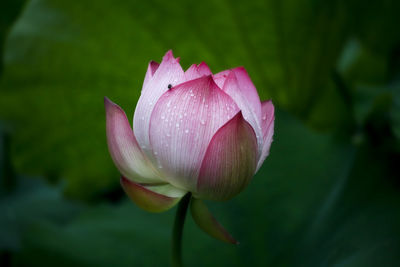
point(328, 195)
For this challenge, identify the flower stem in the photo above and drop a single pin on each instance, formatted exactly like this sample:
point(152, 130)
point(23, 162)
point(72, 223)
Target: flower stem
point(178, 230)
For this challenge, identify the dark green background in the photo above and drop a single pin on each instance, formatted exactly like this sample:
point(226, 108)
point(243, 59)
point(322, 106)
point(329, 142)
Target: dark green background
point(328, 194)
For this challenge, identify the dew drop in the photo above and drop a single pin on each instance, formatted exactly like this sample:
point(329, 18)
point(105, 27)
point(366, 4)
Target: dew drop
point(186, 131)
point(202, 122)
point(177, 125)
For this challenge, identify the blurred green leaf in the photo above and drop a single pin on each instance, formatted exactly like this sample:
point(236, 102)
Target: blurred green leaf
point(32, 202)
point(9, 10)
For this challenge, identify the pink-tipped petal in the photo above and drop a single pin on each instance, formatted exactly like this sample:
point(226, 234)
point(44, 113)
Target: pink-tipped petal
point(191, 73)
point(204, 69)
point(124, 148)
point(151, 69)
point(230, 161)
point(206, 221)
point(267, 125)
point(182, 125)
point(248, 89)
point(220, 78)
point(168, 73)
point(153, 198)
point(241, 95)
point(197, 71)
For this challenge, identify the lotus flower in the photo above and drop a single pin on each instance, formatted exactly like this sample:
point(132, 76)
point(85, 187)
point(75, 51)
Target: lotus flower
point(193, 131)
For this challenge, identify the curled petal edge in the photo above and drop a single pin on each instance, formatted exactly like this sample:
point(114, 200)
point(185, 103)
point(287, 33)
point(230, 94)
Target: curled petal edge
point(152, 197)
point(206, 221)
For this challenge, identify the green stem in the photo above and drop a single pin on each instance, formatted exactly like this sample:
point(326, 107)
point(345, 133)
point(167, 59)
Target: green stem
point(178, 230)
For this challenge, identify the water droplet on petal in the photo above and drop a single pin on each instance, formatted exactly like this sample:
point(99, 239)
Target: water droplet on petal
point(186, 131)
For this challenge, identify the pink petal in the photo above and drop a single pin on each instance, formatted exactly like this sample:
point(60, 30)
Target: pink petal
point(248, 89)
point(153, 198)
point(182, 125)
point(230, 161)
point(124, 148)
point(168, 73)
point(206, 221)
point(151, 69)
point(197, 71)
point(241, 95)
point(267, 125)
point(220, 78)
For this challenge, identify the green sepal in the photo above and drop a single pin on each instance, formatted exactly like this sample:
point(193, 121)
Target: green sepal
point(206, 221)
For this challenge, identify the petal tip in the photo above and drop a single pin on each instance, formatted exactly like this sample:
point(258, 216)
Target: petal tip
point(240, 69)
point(108, 104)
point(169, 56)
point(107, 100)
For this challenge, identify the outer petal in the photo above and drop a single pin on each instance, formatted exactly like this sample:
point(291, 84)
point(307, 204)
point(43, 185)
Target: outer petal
point(230, 161)
point(155, 198)
point(182, 125)
point(242, 96)
point(248, 89)
point(267, 125)
point(197, 71)
point(151, 69)
point(206, 221)
point(124, 148)
point(169, 72)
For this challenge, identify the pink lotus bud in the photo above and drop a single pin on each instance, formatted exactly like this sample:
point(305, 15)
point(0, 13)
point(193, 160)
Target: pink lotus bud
point(193, 131)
